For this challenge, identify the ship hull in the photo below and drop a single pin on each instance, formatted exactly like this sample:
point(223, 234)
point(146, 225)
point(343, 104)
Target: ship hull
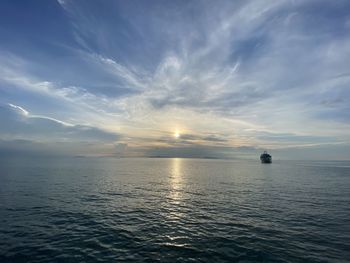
point(266, 160)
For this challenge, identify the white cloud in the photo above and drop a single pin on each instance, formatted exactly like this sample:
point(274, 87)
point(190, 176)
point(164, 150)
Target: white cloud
point(226, 69)
point(20, 124)
point(19, 109)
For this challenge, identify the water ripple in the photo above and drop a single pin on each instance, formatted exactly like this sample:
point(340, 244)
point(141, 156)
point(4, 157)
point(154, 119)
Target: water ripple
point(149, 210)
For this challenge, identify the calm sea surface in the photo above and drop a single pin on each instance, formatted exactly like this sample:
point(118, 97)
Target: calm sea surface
point(173, 210)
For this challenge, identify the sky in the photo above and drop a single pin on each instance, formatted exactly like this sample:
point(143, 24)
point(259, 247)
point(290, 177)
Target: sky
point(219, 79)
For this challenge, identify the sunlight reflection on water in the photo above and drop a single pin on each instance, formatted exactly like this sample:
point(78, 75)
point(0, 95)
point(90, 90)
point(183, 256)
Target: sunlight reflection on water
point(175, 194)
point(176, 179)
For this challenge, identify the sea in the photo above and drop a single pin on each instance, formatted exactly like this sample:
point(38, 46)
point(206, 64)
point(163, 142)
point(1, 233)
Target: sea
point(173, 210)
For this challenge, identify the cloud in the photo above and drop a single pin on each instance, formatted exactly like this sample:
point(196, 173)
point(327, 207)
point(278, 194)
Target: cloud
point(202, 151)
point(217, 71)
point(291, 138)
point(21, 124)
point(19, 109)
point(31, 148)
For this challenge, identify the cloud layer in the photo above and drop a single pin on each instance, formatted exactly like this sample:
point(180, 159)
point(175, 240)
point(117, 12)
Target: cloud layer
point(225, 75)
point(30, 133)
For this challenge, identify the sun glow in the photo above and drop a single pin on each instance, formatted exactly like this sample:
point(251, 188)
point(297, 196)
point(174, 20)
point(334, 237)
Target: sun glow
point(176, 134)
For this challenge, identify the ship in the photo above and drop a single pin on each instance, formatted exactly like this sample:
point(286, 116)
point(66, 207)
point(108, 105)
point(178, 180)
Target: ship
point(265, 158)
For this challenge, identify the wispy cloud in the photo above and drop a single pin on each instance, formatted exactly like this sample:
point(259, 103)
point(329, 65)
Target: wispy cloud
point(20, 124)
point(245, 73)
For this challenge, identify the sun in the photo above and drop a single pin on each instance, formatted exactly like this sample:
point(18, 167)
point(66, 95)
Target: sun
point(176, 134)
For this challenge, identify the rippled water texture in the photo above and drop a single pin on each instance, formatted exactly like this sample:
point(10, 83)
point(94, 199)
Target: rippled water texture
point(173, 210)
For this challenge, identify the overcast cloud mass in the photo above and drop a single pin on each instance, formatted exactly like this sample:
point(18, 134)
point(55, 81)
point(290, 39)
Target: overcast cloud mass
point(223, 79)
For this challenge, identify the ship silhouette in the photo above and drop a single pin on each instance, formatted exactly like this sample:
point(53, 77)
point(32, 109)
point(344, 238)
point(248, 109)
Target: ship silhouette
point(265, 157)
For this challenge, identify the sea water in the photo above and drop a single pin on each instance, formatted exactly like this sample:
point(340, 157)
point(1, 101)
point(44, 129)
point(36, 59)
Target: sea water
point(173, 210)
